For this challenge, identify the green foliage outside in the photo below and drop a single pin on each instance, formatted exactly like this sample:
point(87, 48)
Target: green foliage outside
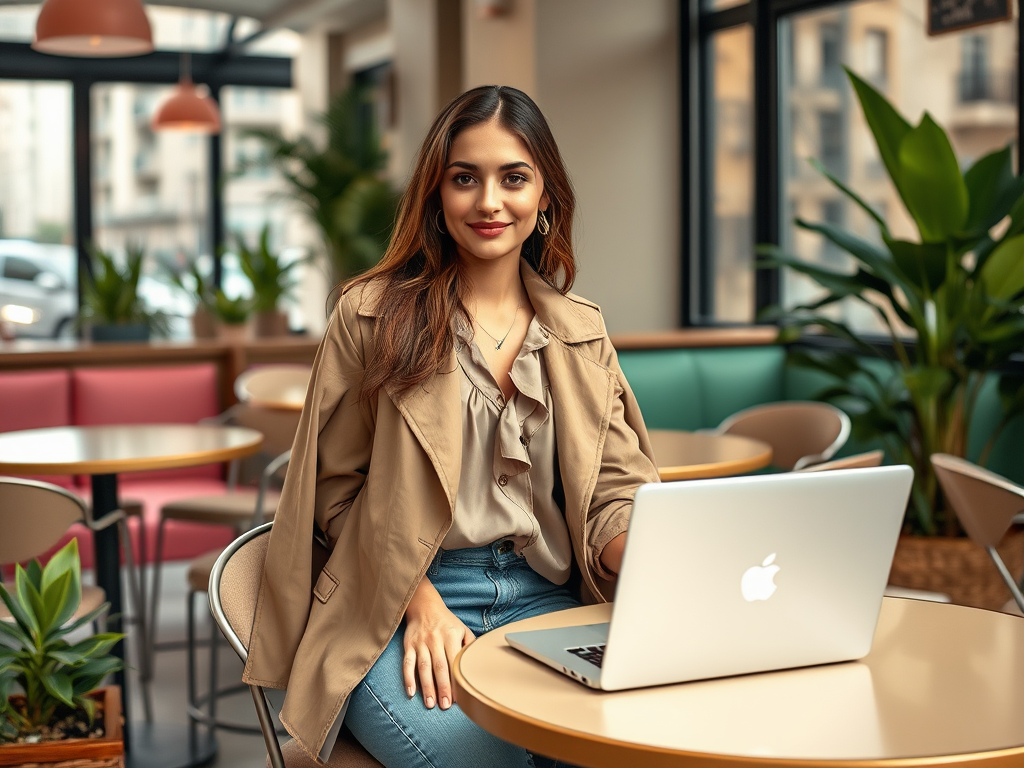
point(195, 284)
point(339, 182)
point(959, 288)
point(35, 657)
point(110, 296)
point(272, 279)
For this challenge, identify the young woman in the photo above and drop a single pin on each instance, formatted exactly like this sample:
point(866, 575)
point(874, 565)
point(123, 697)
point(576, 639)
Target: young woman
point(469, 447)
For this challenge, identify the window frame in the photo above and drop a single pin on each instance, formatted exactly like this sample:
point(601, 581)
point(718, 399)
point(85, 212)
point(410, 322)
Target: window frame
point(698, 25)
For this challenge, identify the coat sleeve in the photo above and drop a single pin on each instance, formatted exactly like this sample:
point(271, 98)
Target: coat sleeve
point(627, 462)
point(330, 454)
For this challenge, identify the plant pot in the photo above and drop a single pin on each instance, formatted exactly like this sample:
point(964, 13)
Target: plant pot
point(107, 752)
point(203, 324)
point(958, 567)
point(233, 333)
point(126, 332)
point(271, 323)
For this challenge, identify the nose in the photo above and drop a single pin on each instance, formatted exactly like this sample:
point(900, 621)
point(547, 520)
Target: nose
point(490, 197)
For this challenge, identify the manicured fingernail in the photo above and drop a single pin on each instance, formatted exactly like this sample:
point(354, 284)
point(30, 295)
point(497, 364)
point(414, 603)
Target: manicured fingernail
point(411, 691)
point(430, 702)
point(445, 703)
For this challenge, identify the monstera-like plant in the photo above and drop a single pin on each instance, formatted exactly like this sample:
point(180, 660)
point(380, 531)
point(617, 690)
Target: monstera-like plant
point(952, 300)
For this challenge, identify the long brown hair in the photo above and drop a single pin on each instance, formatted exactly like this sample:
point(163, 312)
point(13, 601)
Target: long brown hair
point(419, 274)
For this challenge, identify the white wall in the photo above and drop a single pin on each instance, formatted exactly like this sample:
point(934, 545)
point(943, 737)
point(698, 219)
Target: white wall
point(608, 81)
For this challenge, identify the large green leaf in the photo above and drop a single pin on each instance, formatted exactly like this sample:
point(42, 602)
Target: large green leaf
point(993, 188)
point(882, 226)
point(924, 263)
point(29, 600)
point(59, 602)
point(887, 126)
point(1003, 272)
point(933, 189)
point(58, 684)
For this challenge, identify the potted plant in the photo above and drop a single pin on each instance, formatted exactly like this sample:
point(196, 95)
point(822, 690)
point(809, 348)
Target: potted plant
point(340, 182)
point(201, 290)
point(232, 316)
point(50, 708)
point(272, 280)
point(112, 308)
point(951, 302)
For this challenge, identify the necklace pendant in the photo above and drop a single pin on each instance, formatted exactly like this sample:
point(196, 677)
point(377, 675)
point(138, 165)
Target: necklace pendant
point(499, 344)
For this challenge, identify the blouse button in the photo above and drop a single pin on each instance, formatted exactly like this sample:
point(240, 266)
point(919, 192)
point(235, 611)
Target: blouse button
point(503, 480)
point(501, 401)
point(524, 440)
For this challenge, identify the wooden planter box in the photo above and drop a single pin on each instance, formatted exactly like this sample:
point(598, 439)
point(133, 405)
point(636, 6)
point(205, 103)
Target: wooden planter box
point(107, 752)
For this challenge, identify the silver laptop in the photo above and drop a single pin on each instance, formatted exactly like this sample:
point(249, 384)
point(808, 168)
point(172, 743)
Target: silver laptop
point(738, 575)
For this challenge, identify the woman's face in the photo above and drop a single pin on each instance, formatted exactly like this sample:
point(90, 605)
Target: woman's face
point(490, 193)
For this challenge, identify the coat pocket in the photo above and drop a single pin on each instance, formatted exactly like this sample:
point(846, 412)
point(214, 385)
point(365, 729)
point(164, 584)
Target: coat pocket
point(325, 586)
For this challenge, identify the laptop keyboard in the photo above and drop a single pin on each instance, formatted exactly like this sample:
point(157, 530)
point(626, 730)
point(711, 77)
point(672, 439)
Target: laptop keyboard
point(592, 653)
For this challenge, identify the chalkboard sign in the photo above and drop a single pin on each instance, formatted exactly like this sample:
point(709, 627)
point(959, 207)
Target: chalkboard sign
point(951, 15)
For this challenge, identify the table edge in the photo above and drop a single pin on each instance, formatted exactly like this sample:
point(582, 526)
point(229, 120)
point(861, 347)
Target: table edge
point(573, 745)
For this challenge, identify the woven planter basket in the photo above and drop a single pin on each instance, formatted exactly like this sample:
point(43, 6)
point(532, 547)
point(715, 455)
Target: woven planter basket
point(958, 567)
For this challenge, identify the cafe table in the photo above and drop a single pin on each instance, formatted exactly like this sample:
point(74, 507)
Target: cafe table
point(942, 685)
point(102, 452)
point(683, 455)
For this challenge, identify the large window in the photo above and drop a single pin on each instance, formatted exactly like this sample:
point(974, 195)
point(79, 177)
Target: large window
point(968, 81)
point(37, 256)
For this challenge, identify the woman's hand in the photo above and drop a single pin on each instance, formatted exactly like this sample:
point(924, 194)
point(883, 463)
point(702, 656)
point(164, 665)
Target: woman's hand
point(433, 637)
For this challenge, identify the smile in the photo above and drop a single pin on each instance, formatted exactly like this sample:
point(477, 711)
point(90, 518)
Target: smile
point(489, 228)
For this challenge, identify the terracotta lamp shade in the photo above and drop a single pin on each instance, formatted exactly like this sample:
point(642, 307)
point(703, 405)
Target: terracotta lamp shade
point(93, 28)
point(187, 110)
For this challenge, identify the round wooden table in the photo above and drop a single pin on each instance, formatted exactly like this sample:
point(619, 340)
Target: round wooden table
point(282, 387)
point(102, 452)
point(943, 685)
point(685, 455)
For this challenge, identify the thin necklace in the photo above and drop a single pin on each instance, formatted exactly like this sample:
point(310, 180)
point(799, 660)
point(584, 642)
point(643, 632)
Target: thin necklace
point(501, 341)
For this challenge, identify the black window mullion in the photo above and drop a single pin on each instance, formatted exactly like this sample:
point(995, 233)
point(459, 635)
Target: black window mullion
point(767, 186)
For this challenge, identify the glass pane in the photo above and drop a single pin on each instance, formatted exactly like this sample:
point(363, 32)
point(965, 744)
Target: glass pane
point(966, 81)
point(149, 189)
point(256, 196)
point(731, 139)
point(18, 23)
point(38, 262)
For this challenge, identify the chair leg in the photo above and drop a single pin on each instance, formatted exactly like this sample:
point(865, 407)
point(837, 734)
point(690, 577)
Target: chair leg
point(1005, 573)
point(190, 648)
point(267, 726)
point(154, 598)
point(142, 643)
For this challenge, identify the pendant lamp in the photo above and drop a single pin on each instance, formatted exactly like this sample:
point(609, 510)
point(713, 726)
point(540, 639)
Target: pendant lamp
point(93, 28)
point(187, 109)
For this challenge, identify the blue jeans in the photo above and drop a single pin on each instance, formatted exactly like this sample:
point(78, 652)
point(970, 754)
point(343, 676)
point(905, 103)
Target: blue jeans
point(485, 587)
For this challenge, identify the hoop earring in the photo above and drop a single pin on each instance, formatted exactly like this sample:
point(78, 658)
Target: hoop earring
point(438, 222)
point(542, 223)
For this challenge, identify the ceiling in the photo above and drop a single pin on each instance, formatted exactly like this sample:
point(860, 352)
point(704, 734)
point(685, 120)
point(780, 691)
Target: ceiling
point(335, 15)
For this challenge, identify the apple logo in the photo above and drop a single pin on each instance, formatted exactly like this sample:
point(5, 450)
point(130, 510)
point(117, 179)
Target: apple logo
point(758, 582)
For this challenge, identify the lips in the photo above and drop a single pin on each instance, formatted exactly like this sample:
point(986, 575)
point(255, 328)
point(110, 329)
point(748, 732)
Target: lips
point(489, 228)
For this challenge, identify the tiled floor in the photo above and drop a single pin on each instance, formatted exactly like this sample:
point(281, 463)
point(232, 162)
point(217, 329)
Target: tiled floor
point(169, 690)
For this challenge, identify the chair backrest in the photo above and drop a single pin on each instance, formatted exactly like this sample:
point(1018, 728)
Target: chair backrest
point(985, 502)
point(33, 517)
point(235, 583)
point(800, 433)
point(869, 459)
point(273, 385)
point(276, 424)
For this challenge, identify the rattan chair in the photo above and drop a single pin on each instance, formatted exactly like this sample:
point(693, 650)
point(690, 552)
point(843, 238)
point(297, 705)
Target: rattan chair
point(34, 516)
point(800, 433)
point(234, 587)
point(986, 505)
point(858, 461)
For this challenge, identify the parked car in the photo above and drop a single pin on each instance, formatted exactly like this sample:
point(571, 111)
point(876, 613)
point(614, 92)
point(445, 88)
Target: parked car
point(37, 290)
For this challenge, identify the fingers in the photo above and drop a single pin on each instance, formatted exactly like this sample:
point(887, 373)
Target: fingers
point(409, 671)
point(426, 674)
point(442, 679)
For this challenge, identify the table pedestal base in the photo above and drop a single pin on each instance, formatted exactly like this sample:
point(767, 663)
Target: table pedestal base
point(169, 745)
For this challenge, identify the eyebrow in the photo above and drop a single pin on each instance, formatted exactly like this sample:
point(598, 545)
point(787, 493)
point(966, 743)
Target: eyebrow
point(505, 167)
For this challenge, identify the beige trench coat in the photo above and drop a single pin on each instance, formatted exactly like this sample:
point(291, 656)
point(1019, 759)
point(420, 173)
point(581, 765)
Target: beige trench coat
point(380, 479)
